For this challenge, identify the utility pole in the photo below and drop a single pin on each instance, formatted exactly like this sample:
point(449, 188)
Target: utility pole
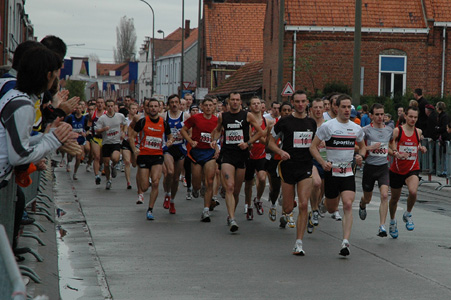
point(183, 49)
point(357, 46)
point(281, 40)
point(199, 44)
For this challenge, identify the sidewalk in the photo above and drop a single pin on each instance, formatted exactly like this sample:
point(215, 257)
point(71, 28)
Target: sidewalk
point(113, 251)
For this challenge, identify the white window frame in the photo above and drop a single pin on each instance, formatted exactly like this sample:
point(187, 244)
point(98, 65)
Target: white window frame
point(392, 83)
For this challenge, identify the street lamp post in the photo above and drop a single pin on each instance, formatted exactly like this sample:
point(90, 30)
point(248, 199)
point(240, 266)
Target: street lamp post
point(153, 44)
point(161, 31)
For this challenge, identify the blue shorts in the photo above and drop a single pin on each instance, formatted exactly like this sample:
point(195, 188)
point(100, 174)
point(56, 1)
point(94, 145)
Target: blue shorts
point(201, 156)
point(319, 168)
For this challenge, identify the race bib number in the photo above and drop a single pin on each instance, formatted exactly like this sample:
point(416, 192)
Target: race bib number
point(152, 142)
point(302, 139)
point(205, 137)
point(178, 138)
point(382, 151)
point(78, 130)
point(342, 169)
point(412, 151)
point(112, 132)
point(234, 136)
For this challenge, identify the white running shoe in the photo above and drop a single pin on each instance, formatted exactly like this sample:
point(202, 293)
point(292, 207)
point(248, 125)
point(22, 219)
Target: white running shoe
point(336, 216)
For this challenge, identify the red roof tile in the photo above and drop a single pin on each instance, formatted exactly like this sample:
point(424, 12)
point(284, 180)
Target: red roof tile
point(375, 13)
point(234, 31)
point(248, 78)
point(188, 43)
point(439, 10)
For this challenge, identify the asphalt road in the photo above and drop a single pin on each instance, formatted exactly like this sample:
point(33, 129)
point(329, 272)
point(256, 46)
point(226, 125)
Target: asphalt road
point(109, 250)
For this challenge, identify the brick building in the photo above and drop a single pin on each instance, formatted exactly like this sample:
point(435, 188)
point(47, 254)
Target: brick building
point(232, 36)
point(15, 27)
point(405, 45)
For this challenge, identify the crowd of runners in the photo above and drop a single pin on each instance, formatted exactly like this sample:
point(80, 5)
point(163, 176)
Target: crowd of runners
point(308, 152)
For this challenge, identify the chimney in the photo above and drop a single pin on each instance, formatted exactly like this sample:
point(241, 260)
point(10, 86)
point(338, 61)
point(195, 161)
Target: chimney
point(187, 29)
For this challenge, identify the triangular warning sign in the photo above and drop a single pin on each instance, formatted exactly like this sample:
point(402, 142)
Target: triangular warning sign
point(287, 90)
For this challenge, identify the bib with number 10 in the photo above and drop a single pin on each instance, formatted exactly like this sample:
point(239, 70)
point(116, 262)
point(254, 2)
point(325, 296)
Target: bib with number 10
point(302, 139)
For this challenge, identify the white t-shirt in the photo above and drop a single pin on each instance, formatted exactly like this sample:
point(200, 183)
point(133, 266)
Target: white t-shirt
point(340, 139)
point(112, 135)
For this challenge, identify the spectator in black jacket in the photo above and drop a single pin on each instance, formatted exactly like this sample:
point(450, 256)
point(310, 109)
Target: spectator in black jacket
point(431, 123)
point(422, 118)
point(443, 121)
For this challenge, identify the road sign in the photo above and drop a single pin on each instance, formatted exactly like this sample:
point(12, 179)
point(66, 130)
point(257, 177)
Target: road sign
point(287, 90)
point(186, 84)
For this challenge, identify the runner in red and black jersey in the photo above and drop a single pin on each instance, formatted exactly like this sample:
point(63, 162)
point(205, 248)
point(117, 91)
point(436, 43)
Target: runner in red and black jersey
point(405, 168)
point(256, 162)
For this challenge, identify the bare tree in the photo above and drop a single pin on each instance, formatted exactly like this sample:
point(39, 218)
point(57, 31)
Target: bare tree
point(126, 41)
point(94, 57)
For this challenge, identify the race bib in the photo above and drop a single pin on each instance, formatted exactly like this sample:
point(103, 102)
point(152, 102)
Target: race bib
point(112, 132)
point(342, 169)
point(382, 151)
point(152, 142)
point(178, 138)
point(78, 130)
point(302, 139)
point(234, 136)
point(205, 137)
point(412, 151)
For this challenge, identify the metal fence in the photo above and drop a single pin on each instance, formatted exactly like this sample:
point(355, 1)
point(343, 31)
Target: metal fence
point(11, 283)
point(436, 161)
point(8, 205)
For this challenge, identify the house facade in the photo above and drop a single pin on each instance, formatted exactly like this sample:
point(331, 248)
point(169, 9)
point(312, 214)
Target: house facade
point(232, 36)
point(15, 28)
point(404, 46)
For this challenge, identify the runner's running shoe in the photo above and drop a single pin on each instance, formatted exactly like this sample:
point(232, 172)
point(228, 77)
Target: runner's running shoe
point(310, 226)
point(315, 216)
point(205, 217)
point(233, 225)
point(407, 218)
point(140, 199)
point(362, 212)
point(291, 222)
point(382, 232)
point(258, 206)
point(250, 214)
point(149, 215)
point(336, 216)
point(166, 202)
point(188, 194)
point(108, 185)
point(283, 221)
point(297, 250)
point(214, 203)
point(272, 214)
point(172, 208)
point(393, 229)
point(345, 248)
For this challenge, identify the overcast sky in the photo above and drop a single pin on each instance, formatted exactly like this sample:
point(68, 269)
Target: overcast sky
point(93, 22)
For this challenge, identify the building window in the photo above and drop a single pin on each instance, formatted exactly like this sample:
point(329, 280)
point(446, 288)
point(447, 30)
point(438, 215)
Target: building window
point(392, 75)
